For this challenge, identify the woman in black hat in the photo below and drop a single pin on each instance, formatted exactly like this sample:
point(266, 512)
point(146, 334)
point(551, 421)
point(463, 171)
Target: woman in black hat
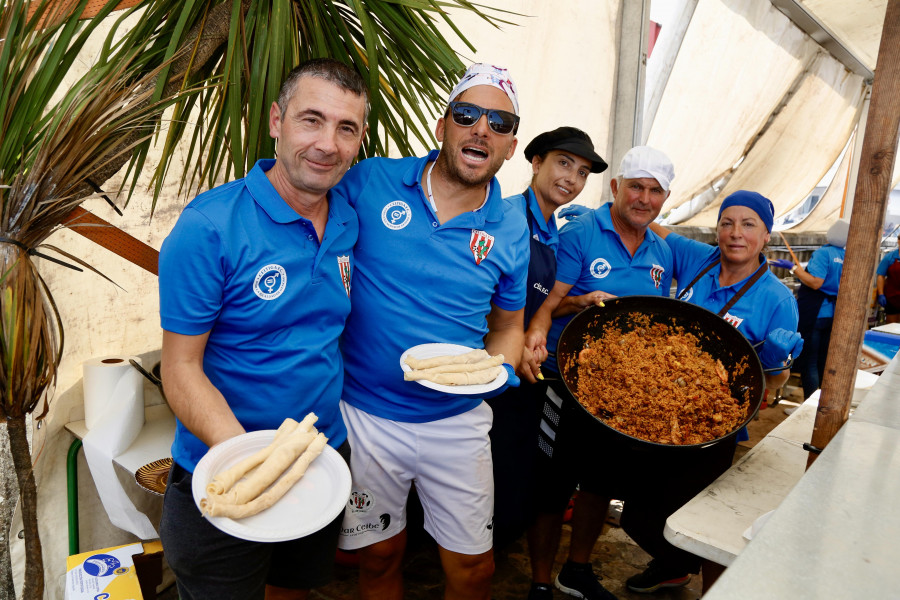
point(561, 161)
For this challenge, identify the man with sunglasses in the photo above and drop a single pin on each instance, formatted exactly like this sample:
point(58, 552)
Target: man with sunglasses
point(441, 257)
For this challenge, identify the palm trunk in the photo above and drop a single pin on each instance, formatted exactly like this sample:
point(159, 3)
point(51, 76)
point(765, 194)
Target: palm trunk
point(21, 454)
point(10, 493)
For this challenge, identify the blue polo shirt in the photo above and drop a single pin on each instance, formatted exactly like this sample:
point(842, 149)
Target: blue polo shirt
point(827, 263)
point(887, 261)
point(243, 265)
point(545, 232)
point(592, 257)
point(768, 305)
point(417, 281)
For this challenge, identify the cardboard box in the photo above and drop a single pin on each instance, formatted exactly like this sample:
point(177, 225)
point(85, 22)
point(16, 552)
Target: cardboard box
point(114, 573)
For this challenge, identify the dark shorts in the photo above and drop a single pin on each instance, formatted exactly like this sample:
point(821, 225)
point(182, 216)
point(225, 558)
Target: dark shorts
point(513, 438)
point(210, 564)
point(568, 456)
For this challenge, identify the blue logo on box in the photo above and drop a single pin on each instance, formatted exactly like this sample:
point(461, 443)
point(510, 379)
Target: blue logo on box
point(100, 565)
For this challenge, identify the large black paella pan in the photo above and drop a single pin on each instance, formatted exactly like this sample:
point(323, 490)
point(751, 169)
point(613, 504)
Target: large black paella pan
point(715, 336)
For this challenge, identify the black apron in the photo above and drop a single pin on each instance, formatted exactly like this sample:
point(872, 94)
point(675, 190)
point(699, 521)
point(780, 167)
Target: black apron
point(541, 275)
point(809, 302)
point(515, 419)
point(760, 271)
point(892, 285)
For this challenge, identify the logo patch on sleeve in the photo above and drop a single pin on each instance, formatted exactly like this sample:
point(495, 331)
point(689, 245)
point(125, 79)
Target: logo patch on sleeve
point(344, 267)
point(480, 244)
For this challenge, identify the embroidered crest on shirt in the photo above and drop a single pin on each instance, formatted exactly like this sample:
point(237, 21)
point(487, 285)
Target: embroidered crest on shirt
point(396, 215)
point(736, 321)
point(656, 273)
point(600, 268)
point(270, 282)
point(480, 244)
point(344, 267)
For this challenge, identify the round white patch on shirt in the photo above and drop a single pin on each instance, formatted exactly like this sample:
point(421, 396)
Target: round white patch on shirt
point(396, 215)
point(600, 268)
point(270, 282)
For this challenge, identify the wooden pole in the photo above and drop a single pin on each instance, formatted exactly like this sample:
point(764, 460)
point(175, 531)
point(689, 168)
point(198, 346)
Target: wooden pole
point(866, 221)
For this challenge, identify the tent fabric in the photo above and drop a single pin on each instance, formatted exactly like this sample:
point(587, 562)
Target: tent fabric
point(738, 60)
point(828, 209)
point(857, 24)
point(802, 142)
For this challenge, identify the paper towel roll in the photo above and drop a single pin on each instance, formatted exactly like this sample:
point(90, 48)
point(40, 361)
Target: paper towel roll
point(111, 379)
point(114, 415)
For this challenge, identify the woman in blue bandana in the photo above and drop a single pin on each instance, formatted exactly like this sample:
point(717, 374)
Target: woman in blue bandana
point(733, 280)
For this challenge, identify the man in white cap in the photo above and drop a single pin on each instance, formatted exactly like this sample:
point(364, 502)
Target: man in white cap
point(441, 258)
point(604, 253)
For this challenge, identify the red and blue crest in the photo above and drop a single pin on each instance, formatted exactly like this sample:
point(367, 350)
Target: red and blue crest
point(480, 244)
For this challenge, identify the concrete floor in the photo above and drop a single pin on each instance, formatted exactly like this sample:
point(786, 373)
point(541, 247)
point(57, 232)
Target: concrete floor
point(616, 557)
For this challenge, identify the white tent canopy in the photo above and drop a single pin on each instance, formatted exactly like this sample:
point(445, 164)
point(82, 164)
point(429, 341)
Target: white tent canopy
point(754, 100)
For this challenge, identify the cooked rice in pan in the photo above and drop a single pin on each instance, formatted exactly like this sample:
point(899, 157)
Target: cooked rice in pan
point(655, 383)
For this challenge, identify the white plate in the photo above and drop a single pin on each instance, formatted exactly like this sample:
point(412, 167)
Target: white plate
point(432, 350)
point(311, 504)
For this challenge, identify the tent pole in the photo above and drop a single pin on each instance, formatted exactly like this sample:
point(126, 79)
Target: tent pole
point(873, 184)
point(627, 117)
point(856, 152)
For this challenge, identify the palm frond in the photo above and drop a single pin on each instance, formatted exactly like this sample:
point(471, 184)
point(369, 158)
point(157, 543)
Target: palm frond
point(396, 44)
point(49, 150)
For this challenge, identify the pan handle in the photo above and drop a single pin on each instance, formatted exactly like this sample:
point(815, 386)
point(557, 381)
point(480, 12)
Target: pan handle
point(790, 361)
point(150, 376)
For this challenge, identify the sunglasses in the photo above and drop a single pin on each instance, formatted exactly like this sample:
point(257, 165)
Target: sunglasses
point(466, 114)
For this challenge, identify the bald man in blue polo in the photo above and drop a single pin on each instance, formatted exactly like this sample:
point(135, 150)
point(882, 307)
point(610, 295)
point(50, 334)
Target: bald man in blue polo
point(441, 258)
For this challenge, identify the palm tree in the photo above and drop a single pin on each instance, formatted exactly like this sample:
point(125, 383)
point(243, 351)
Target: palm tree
point(214, 63)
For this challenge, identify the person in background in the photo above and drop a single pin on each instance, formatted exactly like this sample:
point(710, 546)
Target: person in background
point(254, 284)
point(441, 258)
point(602, 254)
point(819, 282)
point(888, 284)
point(733, 280)
point(561, 161)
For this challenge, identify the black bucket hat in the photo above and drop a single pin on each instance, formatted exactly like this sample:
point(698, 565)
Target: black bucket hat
point(570, 139)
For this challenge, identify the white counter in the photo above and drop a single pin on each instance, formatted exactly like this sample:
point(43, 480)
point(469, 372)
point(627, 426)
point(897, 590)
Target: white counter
point(152, 443)
point(837, 533)
point(711, 525)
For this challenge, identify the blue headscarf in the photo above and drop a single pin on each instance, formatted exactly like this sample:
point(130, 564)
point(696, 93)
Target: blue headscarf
point(758, 203)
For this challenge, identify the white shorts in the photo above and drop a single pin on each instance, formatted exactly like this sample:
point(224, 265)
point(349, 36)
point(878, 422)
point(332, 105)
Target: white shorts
point(450, 462)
